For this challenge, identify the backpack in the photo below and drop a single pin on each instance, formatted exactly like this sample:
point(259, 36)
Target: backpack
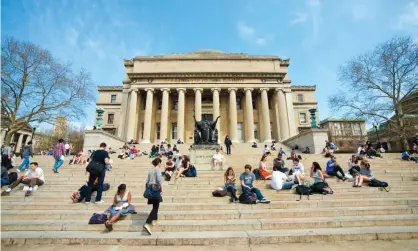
point(192, 172)
point(13, 177)
point(378, 183)
point(320, 188)
point(98, 218)
point(303, 190)
point(248, 198)
point(257, 174)
point(219, 193)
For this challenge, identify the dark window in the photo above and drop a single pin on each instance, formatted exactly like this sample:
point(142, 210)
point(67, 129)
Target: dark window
point(254, 104)
point(110, 118)
point(300, 98)
point(158, 130)
point(142, 130)
point(175, 104)
point(113, 99)
point(174, 130)
point(239, 103)
point(160, 103)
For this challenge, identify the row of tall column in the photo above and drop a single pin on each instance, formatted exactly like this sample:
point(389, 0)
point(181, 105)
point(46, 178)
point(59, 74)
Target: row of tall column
point(285, 120)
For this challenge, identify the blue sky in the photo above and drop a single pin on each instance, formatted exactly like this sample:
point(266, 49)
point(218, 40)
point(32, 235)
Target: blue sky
point(317, 35)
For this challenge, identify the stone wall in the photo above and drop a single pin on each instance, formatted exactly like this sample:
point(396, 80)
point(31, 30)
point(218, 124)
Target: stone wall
point(312, 138)
point(93, 138)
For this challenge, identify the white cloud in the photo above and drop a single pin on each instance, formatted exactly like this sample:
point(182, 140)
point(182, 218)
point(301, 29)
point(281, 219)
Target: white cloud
point(300, 18)
point(72, 36)
point(250, 34)
point(410, 16)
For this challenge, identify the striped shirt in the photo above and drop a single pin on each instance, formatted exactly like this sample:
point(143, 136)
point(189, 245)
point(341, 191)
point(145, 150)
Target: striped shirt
point(59, 150)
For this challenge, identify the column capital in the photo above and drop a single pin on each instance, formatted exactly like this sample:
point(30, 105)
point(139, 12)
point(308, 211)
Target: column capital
point(134, 90)
point(278, 89)
point(232, 89)
point(287, 90)
point(149, 89)
point(165, 89)
point(215, 89)
point(197, 89)
point(264, 89)
point(181, 89)
point(248, 89)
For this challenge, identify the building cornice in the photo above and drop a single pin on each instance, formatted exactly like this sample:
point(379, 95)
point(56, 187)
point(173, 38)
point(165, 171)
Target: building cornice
point(109, 87)
point(303, 87)
point(267, 75)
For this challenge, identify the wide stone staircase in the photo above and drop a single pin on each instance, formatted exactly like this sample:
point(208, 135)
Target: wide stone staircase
point(189, 214)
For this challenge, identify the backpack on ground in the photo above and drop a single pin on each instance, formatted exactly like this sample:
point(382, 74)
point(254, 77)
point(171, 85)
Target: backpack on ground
point(378, 183)
point(321, 188)
point(303, 190)
point(98, 218)
point(257, 174)
point(192, 172)
point(248, 198)
point(220, 193)
point(13, 176)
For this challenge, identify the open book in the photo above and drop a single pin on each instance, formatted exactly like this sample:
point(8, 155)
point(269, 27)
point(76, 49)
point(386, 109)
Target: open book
point(125, 205)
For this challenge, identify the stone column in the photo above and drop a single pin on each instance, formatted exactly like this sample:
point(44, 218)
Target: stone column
point(19, 143)
point(164, 114)
point(124, 110)
point(249, 115)
point(283, 118)
point(290, 113)
point(216, 110)
point(132, 118)
point(198, 103)
point(233, 114)
point(28, 138)
point(180, 114)
point(148, 116)
point(266, 114)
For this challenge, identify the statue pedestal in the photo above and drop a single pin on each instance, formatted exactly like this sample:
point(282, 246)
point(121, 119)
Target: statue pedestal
point(201, 156)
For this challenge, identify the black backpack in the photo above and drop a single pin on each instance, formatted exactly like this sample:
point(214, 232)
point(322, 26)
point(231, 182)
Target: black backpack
point(378, 183)
point(303, 190)
point(248, 198)
point(12, 177)
point(257, 174)
point(320, 188)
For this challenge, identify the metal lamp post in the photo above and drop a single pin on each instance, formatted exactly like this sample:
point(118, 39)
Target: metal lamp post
point(377, 133)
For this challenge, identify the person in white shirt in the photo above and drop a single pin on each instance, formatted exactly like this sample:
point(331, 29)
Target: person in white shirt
point(298, 170)
point(67, 148)
point(279, 180)
point(217, 159)
point(33, 177)
point(266, 150)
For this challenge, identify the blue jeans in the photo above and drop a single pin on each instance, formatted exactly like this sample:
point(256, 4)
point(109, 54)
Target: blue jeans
point(92, 178)
point(132, 156)
point(4, 181)
point(260, 196)
point(231, 188)
point(288, 185)
point(58, 163)
point(24, 163)
point(414, 159)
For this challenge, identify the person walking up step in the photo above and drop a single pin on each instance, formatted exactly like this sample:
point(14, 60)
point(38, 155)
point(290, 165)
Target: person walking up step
point(58, 153)
point(27, 152)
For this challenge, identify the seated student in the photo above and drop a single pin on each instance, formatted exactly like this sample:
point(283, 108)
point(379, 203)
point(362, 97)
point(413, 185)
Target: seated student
point(279, 163)
point(33, 177)
point(247, 179)
point(316, 173)
point(263, 168)
point(281, 151)
point(273, 147)
point(361, 151)
point(81, 194)
point(162, 149)
point(307, 150)
point(169, 168)
point(175, 148)
point(217, 160)
point(185, 165)
point(179, 141)
point(365, 174)
point(414, 148)
point(333, 169)
point(230, 184)
point(406, 156)
point(298, 171)
point(372, 152)
point(266, 150)
point(254, 145)
point(121, 206)
point(4, 176)
point(154, 151)
point(353, 165)
point(77, 158)
point(279, 180)
point(332, 147)
point(327, 152)
point(169, 150)
point(134, 152)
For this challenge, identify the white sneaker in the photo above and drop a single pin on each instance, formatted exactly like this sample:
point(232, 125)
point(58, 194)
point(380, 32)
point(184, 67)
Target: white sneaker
point(87, 202)
point(99, 202)
point(30, 189)
point(266, 201)
point(8, 190)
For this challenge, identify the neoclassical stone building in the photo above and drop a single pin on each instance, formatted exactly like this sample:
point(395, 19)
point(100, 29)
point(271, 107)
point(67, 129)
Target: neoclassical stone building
point(252, 94)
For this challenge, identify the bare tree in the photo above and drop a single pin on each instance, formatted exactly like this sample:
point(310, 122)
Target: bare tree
point(377, 82)
point(37, 88)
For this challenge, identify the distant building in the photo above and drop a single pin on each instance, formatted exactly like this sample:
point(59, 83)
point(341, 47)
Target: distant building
point(19, 138)
point(346, 133)
point(60, 127)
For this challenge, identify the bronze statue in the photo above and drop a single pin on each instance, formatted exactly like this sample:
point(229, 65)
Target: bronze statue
point(205, 131)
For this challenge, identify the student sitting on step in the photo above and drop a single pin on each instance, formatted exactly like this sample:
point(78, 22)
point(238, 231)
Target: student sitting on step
point(263, 168)
point(266, 150)
point(81, 194)
point(297, 171)
point(217, 160)
point(279, 180)
point(279, 163)
point(365, 174)
point(333, 169)
point(247, 179)
point(185, 165)
point(154, 151)
point(169, 168)
point(230, 184)
point(33, 177)
point(121, 206)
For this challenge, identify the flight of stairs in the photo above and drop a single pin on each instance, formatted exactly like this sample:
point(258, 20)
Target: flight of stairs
point(189, 214)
